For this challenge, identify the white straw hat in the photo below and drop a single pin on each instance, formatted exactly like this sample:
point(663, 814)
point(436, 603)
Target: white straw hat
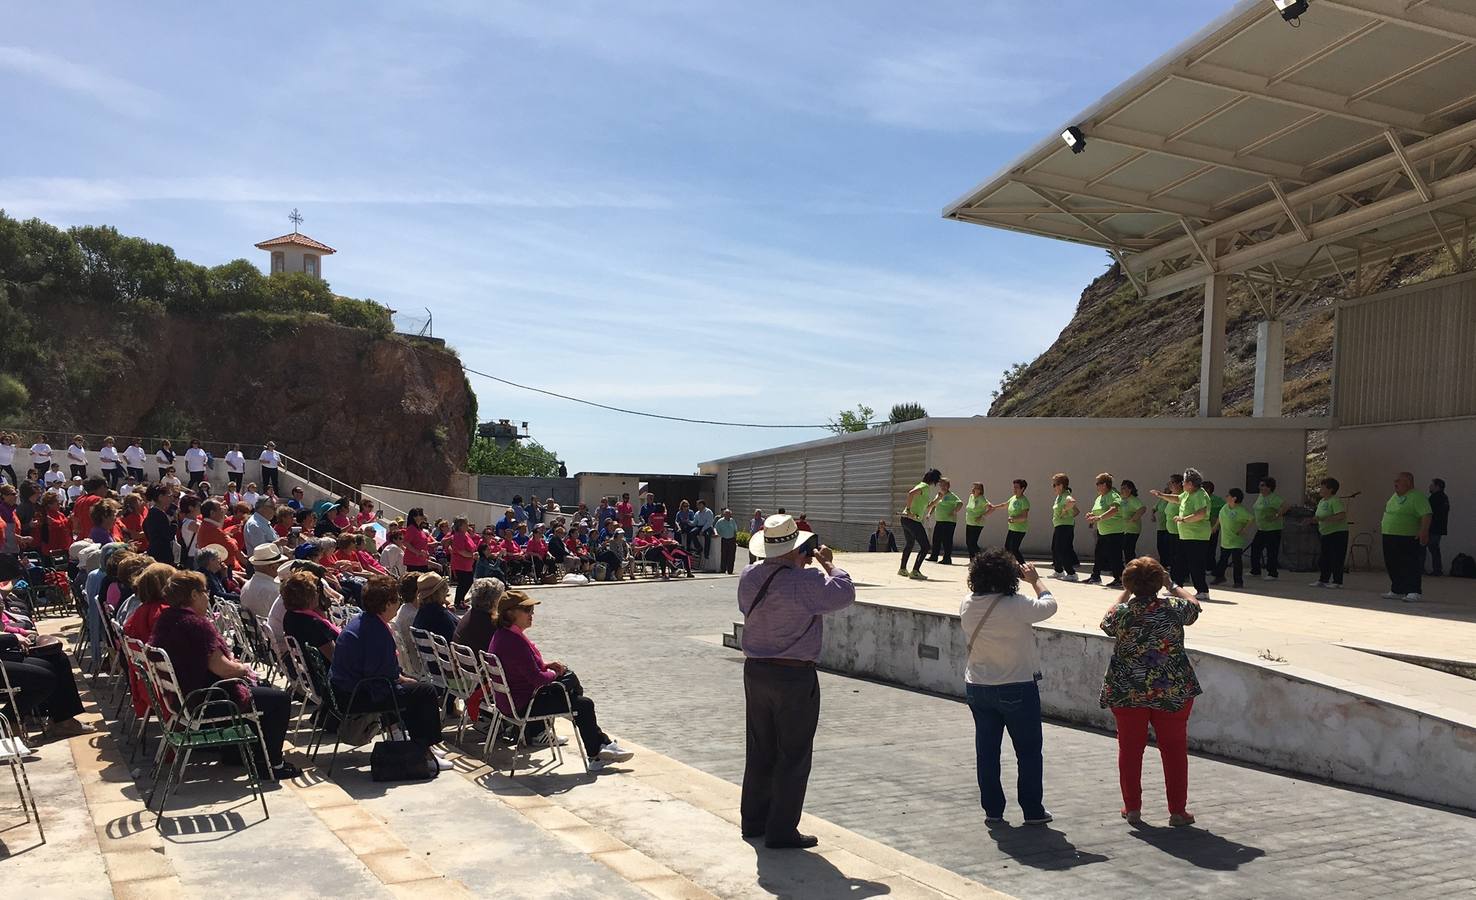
point(780, 535)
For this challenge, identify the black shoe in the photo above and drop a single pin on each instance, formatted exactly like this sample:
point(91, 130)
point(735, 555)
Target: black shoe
point(1093, 580)
point(1239, 584)
point(796, 842)
point(1115, 583)
point(285, 772)
point(750, 834)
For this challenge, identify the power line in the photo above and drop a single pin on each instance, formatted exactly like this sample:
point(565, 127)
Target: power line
point(634, 412)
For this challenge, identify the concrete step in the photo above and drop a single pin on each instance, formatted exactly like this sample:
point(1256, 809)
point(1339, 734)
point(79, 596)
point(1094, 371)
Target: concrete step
point(734, 639)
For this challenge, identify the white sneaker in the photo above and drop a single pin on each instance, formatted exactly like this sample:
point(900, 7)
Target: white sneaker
point(444, 764)
point(1202, 595)
point(1321, 584)
point(613, 752)
point(1389, 595)
point(1413, 598)
point(1334, 586)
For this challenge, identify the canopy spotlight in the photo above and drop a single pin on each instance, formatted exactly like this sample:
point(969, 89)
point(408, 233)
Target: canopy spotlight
point(1291, 10)
point(1074, 139)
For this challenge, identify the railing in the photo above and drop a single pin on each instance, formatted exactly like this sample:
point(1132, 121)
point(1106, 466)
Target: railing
point(328, 482)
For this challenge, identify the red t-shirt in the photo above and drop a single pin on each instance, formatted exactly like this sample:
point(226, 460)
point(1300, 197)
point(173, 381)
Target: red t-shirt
point(538, 547)
point(658, 523)
point(59, 533)
point(626, 514)
point(133, 523)
point(82, 514)
point(463, 542)
point(510, 549)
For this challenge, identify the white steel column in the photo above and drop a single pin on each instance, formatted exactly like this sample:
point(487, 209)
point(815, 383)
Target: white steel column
point(1212, 349)
point(1270, 367)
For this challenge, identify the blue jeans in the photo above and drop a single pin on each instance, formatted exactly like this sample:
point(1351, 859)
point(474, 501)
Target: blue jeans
point(1016, 708)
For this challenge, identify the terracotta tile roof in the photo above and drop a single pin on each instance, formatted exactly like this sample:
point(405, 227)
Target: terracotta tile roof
point(300, 240)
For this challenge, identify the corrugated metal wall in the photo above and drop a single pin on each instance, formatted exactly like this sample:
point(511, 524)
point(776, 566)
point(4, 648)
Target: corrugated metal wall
point(1408, 354)
point(853, 483)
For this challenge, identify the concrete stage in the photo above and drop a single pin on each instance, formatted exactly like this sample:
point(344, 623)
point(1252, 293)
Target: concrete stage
point(1298, 678)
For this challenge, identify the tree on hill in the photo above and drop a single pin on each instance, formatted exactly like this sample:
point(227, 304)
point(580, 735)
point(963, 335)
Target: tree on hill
point(519, 458)
point(906, 412)
point(848, 420)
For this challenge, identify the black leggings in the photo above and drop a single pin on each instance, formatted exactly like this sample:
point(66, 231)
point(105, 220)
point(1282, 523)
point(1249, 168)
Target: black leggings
point(1129, 548)
point(463, 584)
point(1013, 540)
point(971, 538)
point(1266, 545)
point(113, 475)
point(1063, 549)
point(1334, 554)
point(269, 479)
point(943, 542)
point(916, 535)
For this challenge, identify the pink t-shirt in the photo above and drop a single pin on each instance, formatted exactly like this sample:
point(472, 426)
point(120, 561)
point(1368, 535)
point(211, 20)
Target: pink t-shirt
point(463, 542)
point(417, 546)
point(537, 546)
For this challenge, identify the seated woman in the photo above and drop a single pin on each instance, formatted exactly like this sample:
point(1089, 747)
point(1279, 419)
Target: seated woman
point(52, 530)
point(514, 560)
point(488, 565)
point(41, 670)
point(201, 658)
point(367, 514)
point(219, 581)
point(618, 546)
point(1151, 682)
point(367, 650)
point(368, 562)
point(537, 550)
point(529, 677)
point(559, 555)
point(476, 627)
point(125, 574)
point(138, 623)
point(662, 551)
point(433, 595)
point(132, 520)
point(303, 617)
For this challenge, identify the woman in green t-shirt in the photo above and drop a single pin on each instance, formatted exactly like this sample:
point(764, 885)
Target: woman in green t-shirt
point(1194, 532)
point(1063, 524)
point(1233, 520)
point(1106, 517)
point(1132, 520)
point(914, 511)
point(1168, 539)
point(944, 510)
point(1332, 527)
point(975, 509)
point(1017, 510)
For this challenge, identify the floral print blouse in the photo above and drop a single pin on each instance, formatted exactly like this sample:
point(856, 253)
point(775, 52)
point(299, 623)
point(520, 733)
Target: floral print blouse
point(1149, 667)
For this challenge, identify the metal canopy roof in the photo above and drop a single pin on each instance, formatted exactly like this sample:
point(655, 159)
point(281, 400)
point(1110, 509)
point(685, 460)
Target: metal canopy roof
point(1276, 153)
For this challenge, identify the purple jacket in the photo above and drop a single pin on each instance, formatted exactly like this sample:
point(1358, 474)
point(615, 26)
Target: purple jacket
point(523, 665)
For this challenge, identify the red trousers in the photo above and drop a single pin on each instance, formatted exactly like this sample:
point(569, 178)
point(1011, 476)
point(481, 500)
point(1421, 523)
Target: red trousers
point(1171, 730)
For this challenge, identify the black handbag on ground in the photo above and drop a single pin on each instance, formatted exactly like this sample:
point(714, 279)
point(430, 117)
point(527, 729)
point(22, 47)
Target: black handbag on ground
point(402, 761)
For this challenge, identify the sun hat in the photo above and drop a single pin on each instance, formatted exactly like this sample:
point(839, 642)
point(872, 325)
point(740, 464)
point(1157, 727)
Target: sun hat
point(266, 555)
point(513, 600)
point(780, 535)
point(429, 584)
point(305, 549)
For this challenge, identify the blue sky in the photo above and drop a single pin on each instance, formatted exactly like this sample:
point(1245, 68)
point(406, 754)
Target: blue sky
point(724, 211)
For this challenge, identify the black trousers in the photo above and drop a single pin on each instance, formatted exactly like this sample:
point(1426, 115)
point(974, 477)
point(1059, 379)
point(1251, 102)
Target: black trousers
point(1013, 540)
point(1404, 560)
point(420, 709)
point(1171, 556)
point(1165, 548)
point(782, 710)
point(1333, 555)
point(138, 474)
point(275, 707)
point(1063, 549)
point(915, 535)
point(163, 470)
point(46, 684)
point(729, 551)
point(269, 479)
point(113, 475)
point(550, 699)
point(1230, 558)
point(1129, 547)
point(1267, 545)
point(79, 470)
point(1108, 555)
point(943, 542)
point(1437, 566)
point(463, 584)
point(971, 538)
point(196, 478)
point(1196, 556)
point(10, 474)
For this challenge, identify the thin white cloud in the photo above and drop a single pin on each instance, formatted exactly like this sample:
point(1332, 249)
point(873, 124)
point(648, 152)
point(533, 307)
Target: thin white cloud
point(117, 94)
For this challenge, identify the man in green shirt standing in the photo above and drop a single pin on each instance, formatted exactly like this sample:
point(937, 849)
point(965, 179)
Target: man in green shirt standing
point(727, 531)
point(945, 520)
point(1269, 511)
point(1332, 527)
point(1234, 521)
point(1406, 530)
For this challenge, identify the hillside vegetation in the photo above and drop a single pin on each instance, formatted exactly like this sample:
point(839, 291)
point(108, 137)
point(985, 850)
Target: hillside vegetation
point(105, 333)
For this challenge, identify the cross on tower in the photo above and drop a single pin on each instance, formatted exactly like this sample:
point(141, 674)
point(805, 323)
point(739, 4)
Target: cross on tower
point(295, 218)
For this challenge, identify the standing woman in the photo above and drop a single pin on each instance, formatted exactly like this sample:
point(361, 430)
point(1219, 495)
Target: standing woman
point(271, 461)
point(1270, 512)
point(1168, 539)
point(945, 521)
point(7, 458)
point(195, 460)
point(158, 530)
point(1106, 515)
point(914, 511)
point(1017, 517)
point(164, 457)
point(133, 457)
point(41, 457)
point(1233, 520)
point(1063, 524)
point(977, 507)
point(1132, 520)
point(417, 542)
point(1332, 528)
point(1150, 682)
point(77, 457)
point(112, 463)
point(1194, 532)
point(463, 551)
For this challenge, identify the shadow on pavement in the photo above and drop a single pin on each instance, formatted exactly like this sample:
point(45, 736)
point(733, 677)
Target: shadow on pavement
point(1041, 848)
point(1199, 847)
point(797, 873)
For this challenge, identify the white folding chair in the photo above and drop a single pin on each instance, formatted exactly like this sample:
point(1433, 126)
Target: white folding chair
point(302, 677)
point(465, 676)
point(430, 663)
point(12, 694)
point(13, 751)
point(495, 687)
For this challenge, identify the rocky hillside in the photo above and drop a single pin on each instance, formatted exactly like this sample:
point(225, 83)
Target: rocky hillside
point(101, 333)
point(1120, 356)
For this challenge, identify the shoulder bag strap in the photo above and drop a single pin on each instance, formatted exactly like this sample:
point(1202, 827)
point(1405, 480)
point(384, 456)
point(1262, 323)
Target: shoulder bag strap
point(980, 627)
point(764, 590)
